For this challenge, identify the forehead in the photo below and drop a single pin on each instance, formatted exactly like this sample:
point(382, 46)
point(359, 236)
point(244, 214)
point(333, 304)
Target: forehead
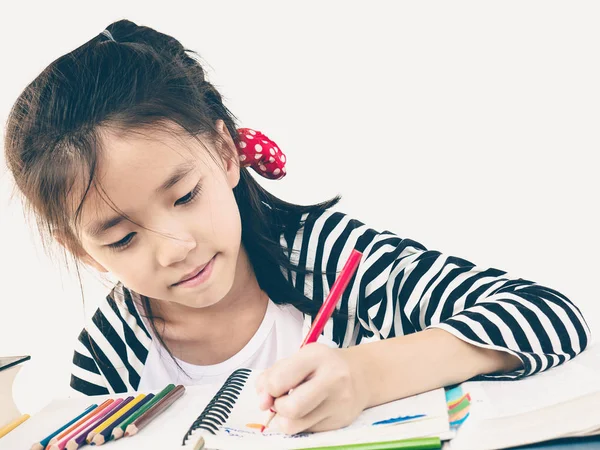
point(132, 165)
point(151, 150)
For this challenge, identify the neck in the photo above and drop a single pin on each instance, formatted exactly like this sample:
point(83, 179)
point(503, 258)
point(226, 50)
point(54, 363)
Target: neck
point(204, 335)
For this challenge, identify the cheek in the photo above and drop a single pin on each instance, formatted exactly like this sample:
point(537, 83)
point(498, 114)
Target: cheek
point(120, 265)
point(226, 226)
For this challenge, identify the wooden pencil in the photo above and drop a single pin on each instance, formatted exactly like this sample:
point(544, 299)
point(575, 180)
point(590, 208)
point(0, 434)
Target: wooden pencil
point(78, 439)
point(14, 424)
point(86, 418)
point(119, 431)
point(44, 442)
point(62, 444)
point(106, 434)
point(123, 408)
point(155, 410)
point(199, 444)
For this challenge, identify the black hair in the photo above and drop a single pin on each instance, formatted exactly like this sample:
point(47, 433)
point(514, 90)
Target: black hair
point(136, 78)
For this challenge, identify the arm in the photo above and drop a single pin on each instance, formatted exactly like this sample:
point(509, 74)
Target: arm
point(423, 319)
point(435, 358)
point(401, 288)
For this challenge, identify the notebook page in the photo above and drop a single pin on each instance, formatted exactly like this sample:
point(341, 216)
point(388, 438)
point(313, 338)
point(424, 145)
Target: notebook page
point(431, 406)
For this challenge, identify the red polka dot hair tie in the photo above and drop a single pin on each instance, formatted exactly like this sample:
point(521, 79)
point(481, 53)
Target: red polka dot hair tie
point(261, 153)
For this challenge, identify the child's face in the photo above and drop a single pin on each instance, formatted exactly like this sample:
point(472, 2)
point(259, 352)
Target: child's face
point(192, 223)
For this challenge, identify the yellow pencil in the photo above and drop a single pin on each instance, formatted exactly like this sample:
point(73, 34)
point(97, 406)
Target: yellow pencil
point(100, 428)
point(14, 424)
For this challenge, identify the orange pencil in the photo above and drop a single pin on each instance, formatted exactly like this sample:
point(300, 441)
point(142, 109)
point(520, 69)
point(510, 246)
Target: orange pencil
point(87, 417)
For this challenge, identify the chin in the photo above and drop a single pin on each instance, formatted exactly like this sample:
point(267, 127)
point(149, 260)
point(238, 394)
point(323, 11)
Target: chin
point(206, 298)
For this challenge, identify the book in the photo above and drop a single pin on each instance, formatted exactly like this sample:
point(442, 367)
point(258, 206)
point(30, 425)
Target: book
point(9, 367)
point(558, 403)
point(221, 415)
point(233, 420)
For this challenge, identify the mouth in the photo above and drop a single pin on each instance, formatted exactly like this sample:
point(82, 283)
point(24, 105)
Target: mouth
point(197, 275)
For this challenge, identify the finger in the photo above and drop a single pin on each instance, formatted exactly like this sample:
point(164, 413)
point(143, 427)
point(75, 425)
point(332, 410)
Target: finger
point(265, 401)
point(303, 399)
point(293, 426)
point(288, 373)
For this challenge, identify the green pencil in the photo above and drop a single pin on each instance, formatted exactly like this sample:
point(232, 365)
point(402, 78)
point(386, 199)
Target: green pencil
point(119, 431)
point(429, 443)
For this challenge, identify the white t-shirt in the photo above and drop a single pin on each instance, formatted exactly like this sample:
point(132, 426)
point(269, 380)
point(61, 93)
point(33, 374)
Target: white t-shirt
point(279, 336)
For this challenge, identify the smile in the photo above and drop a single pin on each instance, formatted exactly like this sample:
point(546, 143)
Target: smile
point(198, 276)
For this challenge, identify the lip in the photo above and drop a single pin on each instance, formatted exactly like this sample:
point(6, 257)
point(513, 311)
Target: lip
point(197, 276)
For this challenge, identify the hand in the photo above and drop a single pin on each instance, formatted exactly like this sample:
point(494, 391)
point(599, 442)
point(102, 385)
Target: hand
point(329, 391)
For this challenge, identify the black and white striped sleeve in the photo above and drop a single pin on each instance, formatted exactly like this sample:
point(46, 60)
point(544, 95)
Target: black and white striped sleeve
point(86, 377)
point(111, 350)
point(401, 287)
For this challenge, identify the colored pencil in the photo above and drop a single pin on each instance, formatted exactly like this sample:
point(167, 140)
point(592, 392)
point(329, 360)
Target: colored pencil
point(427, 443)
point(327, 308)
point(44, 442)
point(199, 444)
point(77, 439)
point(125, 406)
point(62, 444)
point(106, 434)
point(80, 423)
point(119, 431)
point(108, 418)
point(155, 410)
point(14, 424)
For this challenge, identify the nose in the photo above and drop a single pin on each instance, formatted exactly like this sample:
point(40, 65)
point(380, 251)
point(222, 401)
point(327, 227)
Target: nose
point(172, 248)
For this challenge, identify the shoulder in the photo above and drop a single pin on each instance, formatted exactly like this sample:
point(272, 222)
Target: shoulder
point(321, 223)
point(335, 232)
point(117, 314)
point(112, 348)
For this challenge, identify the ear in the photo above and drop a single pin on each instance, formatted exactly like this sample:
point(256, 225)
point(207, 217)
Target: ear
point(232, 165)
point(80, 254)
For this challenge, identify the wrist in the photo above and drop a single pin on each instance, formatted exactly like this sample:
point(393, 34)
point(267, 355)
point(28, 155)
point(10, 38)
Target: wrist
point(361, 370)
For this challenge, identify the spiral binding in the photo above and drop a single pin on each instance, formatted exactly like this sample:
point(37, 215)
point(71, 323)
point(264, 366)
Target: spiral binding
point(218, 409)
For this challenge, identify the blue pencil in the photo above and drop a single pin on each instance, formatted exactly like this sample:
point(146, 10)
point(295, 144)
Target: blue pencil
point(106, 434)
point(44, 442)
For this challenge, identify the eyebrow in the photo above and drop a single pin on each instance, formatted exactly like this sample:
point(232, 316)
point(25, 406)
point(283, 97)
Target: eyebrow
point(102, 227)
point(178, 174)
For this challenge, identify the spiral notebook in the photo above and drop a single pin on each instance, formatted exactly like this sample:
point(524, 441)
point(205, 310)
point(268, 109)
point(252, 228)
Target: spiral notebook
point(221, 415)
point(229, 420)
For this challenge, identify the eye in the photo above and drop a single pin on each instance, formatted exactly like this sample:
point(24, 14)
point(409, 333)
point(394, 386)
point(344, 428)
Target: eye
point(120, 245)
point(189, 197)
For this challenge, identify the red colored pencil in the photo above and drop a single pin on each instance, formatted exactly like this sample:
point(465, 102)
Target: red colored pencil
point(328, 306)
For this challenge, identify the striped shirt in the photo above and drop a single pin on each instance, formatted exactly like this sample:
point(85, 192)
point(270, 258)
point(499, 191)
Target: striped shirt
point(400, 287)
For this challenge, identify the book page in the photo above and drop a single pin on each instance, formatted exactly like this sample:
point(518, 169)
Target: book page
point(576, 378)
point(560, 402)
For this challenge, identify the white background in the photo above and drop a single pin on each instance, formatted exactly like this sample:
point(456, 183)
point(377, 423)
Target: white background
point(471, 127)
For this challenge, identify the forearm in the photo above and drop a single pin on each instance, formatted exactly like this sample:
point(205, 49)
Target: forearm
point(406, 365)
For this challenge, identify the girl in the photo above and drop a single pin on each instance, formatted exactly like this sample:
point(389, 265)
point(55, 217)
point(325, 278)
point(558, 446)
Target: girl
point(130, 160)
